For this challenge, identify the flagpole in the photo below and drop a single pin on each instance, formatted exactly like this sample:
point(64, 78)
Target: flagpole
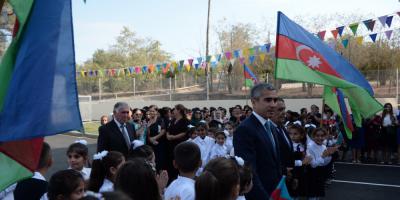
point(207, 38)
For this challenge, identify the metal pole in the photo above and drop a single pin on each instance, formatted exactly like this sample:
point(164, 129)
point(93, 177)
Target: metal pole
point(134, 86)
point(207, 38)
point(397, 86)
point(170, 89)
point(267, 77)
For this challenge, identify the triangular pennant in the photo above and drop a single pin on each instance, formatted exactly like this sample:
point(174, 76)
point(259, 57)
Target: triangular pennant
point(334, 33)
point(321, 35)
point(228, 55)
point(388, 34)
point(83, 73)
point(199, 59)
point(196, 66)
point(354, 28)
point(158, 67)
point(137, 70)
point(187, 67)
point(174, 64)
point(190, 60)
point(389, 21)
point(126, 71)
point(251, 51)
point(251, 59)
point(382, 19)
point(256, 49)
point(164, 65)
point(359, 39)
point(214, 64)
point(245, 52)
point(340, 30)
point(241, 59)
point(181, 63)
point(268, 47)
point(262, 58)
point(369, 24)
point(208, 59)
point(144, 69)
point(345, 42)
point(236, 53)
point(398, 13)
point(218, 57)
point(373, 37)
point(232, 61)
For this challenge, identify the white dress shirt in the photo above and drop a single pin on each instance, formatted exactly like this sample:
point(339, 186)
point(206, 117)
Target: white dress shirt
point(229, 142)
point(107, 186)
point(218, 150)
point(205, 146)
point(315, 151)
point(85, 172)
point(181, 187)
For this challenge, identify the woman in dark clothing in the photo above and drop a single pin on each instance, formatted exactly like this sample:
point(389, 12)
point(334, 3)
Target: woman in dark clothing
point(176, 133)
point(156, 138)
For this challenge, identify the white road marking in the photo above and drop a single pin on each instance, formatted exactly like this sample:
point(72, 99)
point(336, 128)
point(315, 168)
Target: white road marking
point(366, 183)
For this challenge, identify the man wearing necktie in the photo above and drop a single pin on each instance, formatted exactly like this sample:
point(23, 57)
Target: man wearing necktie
point(256, 142)
point(285, 143)
point(117, 135)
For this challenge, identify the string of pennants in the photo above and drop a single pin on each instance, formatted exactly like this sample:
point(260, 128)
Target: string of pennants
point(338, 32)
point(243, 55)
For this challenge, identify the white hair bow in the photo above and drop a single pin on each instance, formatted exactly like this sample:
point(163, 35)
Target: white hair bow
point(100, 155)
point(308, 125)
point(297, 122)
point(84, 142)
point(136, 144)
point(239, 160)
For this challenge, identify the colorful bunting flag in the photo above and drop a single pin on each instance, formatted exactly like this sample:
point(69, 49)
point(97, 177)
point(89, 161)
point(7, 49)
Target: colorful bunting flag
point(251, 59)
point(241, 59)
point(236, 53)
point(190, 60)
point(196, 66)
point(389, 21)
point(354, 28)
point(340, 30)
point(373, 37)
point(345, 42)
point(218, 57)
point(382, 19)
point(359, 40)
point(262, 58)
point(208, 59)
point(388, 34)
point(251, 51)
point(187, 67)
point(321, 35)
point(199, 60)
point(369, 24)
point(334, 33)
point(245, 52)
point(228, 55)
point(268, 47)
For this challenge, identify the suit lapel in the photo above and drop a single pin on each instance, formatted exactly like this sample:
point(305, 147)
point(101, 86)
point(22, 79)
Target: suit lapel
point(117, 132)
point(263, 133)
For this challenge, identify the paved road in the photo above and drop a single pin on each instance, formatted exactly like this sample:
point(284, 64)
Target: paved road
point(352, 181)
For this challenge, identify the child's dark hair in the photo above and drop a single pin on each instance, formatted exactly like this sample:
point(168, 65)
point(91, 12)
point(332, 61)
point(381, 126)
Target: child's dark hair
point(63, 183)
point(301, 130)
point(45, 155)
point(220, 132)
point(101, 169)
point(218, 179)
point(246, 175)
point(319, 129)
point(78, 148)
point(187, 157)
point(202, 125)
point(144, 151)
point(190, 131)
point(231, 124)
point(137, 179)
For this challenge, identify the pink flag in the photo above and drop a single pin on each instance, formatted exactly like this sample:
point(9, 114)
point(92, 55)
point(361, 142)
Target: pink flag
point(190, 60)
point(228, 55)
point(321, 35)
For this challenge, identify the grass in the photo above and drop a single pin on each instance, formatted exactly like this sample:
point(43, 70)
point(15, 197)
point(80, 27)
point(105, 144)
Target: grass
point(91, 127)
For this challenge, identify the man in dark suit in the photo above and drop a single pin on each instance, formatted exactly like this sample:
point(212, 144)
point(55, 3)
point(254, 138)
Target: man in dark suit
point(117, 134)
point(257, 144)
point(285, 143)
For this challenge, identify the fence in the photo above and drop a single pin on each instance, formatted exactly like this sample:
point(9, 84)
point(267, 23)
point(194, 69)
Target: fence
point(223, 84)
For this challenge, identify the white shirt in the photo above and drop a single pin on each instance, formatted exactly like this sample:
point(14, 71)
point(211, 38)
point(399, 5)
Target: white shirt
point(107, 186)
point(218, 150)
point(205, 146)
point(229, 142)
point(85, 172)
point(387, 121)
point(315, 151)
point(182, 187)
point(241, 197)
point(262, 120)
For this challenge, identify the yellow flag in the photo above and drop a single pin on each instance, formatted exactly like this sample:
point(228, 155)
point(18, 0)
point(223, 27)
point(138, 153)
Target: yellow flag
point(359, 40)
point(262, 57)
point(245, 52)
point(83, 73)
point(187, 66)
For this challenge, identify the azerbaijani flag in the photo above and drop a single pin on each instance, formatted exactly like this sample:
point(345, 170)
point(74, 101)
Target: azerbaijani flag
point(38, 94)
point(249, 78)
point(301, 56)
point(281, 192)
point(334, 98)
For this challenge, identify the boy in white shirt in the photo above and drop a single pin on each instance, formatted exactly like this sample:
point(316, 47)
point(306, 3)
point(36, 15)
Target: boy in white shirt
point(187, 161)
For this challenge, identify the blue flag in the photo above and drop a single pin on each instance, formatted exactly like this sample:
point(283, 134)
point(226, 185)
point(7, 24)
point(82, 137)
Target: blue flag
point(42, 96)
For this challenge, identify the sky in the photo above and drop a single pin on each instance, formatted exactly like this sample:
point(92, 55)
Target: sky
point(180, 25)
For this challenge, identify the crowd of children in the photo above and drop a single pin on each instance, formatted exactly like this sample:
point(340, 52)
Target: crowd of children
point(205, 159)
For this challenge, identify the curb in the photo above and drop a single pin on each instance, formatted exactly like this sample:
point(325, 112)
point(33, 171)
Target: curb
point(79, 134)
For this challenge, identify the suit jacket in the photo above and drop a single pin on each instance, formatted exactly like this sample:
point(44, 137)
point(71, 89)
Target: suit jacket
point(285, 149)
point(111, 138)
point(30, 188)
point(252, 143)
